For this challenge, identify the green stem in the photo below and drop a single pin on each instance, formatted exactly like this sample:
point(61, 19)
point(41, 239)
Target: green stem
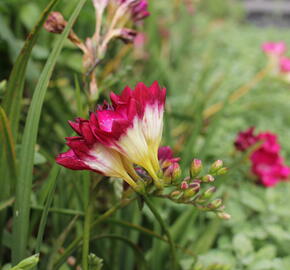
point(100, 219)
point(164, 228)
point(86, 237)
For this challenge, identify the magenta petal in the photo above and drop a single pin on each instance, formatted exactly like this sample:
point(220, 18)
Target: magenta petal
point(76, 125)
point(71, 161)
point(165, 152)
point(87, 133)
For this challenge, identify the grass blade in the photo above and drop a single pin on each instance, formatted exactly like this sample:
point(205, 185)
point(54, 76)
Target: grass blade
point(23, 191)
point(45, 213)
point(13, 97)
point(8, 142)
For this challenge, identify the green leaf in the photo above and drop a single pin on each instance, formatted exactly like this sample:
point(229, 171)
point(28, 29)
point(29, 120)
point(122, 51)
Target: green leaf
point(24, 184)
point(8, 142)
point(242, 245)
point(27, 263)
point(13, 97)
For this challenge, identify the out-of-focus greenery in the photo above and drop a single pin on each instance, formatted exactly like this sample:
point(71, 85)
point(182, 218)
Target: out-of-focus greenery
point(201, 58)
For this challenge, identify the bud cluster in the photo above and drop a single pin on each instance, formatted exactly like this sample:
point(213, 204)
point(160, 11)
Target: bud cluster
point(114, 20)
point(195, 189)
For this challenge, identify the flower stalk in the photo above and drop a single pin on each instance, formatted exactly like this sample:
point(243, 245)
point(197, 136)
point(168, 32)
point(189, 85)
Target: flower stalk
point(164, 228)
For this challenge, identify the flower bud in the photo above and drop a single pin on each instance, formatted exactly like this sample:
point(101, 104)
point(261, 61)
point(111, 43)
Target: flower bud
point(192, 190)
point(172, 173)
point(208, 193)
point(184, 185)
point(215, 204)
point(216, 166)
point(176, 194)
point(55, 23)
point(207, 178)
point(127, 35)
point(196, 167)
point(221, 171)
point(223, 215)
point(95, 263)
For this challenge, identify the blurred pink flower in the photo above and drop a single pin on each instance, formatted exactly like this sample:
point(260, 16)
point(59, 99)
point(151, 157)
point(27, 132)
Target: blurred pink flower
point(269, 167)
point(274, 48)
point(284, 64)
point(246, 139)
point(267, 164)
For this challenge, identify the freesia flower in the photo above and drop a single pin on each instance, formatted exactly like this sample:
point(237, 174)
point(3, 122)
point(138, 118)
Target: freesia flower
point(274, 48)
point(87, 153)
point(133, 125)
point(245, 139)
point(120, 134)
point(285, 64)
point(267, 163)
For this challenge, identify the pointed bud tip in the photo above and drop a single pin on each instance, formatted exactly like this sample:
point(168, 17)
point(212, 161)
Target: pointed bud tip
point(208, 178)
point(216, 166)
point(196, 167)
point(224, 215)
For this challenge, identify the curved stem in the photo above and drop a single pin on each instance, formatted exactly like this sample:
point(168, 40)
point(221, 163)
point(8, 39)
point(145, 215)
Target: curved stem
point(78, 240)
point(164, 228)
point(136, 249)
point(148, 232)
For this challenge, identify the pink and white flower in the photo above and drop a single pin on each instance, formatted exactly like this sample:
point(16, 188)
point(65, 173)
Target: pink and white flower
point(87, 153)
point(120, 134)
point(133, 124)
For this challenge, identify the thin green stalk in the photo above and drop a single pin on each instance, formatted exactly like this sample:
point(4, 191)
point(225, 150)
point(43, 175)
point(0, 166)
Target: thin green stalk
point(141, 260)
point(100, 219)
point(44, 216)
point(148, 232)
point(58, 243)
point(164, 228)
point(86, 237)
point(61, 211)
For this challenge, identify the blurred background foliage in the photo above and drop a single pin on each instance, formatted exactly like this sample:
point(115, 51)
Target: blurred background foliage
point(202, 51)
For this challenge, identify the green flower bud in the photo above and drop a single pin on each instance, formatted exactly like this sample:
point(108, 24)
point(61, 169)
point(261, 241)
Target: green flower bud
point(195, 168)
point(176, 194)
point(216, 166)
point(208, 193)
point(223, 215)
point(95, 263)
point(207, 178)
point(172, 173)
point(215, 204)
point(221, 171)
point(192, 190)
